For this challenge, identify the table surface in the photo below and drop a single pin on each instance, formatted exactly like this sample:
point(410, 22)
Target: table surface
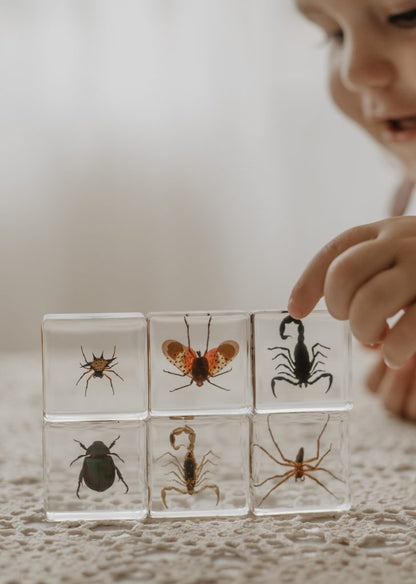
point(373, 542)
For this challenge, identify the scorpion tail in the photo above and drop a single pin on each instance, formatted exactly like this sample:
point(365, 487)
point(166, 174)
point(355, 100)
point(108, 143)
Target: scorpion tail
point(183, 429)
point(287, 320)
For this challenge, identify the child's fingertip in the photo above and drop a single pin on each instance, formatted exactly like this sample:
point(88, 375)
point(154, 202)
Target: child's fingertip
point(293, 309)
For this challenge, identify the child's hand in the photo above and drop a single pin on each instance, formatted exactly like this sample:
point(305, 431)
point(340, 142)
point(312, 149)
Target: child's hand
point(367, 274)
point(395, 387)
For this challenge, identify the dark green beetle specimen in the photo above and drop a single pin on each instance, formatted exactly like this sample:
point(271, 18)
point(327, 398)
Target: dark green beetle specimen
point(98, 470)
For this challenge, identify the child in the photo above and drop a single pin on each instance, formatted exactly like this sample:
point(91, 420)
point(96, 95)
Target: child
point(368, 273)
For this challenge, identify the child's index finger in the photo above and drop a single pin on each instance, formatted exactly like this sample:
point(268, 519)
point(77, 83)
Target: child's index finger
point(309, 288)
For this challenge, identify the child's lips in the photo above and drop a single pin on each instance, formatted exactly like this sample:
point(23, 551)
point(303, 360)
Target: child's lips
point(399, 130)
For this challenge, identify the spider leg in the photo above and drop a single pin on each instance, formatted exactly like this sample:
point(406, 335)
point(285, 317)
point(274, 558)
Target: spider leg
point(278, 476)
point(114, 352)
point(219, 386)
point(83, 354)
point(216, 489)
point(111, 383)
point(115, 373)
point(318, 444)
point(85, 373)
point(271, 456)
point(165, 489)
point(108, 366)
point(321, 484)
point(315, 458)
point(88, 380)
point(287, 460)
point(328, 471)
point(275, 486)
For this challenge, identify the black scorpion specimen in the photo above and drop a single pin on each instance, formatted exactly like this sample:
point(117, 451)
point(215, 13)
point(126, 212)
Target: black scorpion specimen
point(299, 368)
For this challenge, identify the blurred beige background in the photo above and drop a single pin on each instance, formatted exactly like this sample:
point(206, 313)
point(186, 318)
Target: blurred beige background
point(167, 154)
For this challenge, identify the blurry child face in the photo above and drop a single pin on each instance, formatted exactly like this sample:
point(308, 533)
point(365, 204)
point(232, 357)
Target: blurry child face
point(372, 67)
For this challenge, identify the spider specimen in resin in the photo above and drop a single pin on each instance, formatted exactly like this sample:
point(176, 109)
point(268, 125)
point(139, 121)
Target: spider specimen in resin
point(189, 474)
point(98, 368)
point(300, 468)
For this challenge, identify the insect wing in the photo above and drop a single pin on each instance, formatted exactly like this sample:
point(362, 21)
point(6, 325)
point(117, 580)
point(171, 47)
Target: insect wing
point(219, 357)
point(179, 355)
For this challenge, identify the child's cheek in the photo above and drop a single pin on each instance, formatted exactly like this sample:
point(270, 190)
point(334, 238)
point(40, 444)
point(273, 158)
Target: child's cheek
point(347, 101)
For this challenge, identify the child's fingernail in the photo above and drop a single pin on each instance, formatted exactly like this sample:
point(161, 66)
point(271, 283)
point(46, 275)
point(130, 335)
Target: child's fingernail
point(390, 365)
point(291, 306)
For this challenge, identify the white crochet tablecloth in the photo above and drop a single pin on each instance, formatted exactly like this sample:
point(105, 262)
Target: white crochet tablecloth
point(374, 542)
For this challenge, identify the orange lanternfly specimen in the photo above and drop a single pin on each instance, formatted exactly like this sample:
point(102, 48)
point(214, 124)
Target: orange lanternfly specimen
point(97, 367)
point(198, 367)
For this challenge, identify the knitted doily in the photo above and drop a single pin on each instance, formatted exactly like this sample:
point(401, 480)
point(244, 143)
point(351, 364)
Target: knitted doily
point(373, 542)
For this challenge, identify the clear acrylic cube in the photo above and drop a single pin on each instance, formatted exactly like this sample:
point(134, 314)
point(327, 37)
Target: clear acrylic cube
point(95, 470)
point(300, 463)
point(94, 365)
point(200, 363)
point(301, 364)
point(199, 466)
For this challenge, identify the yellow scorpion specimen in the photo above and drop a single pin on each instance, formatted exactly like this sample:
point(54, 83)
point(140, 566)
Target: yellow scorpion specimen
point(189, 474)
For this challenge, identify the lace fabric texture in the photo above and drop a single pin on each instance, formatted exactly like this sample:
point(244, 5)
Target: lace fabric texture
point(373, 542)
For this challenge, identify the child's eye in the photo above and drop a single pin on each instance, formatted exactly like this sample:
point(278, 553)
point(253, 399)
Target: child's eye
point(404, 19)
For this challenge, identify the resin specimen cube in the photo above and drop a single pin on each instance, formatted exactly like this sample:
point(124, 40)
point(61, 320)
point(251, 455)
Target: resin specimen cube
point(199, 466)
point(95, 470)
point(94, 366)
point(200, 363)
point(301, 364)
point(300, 463)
